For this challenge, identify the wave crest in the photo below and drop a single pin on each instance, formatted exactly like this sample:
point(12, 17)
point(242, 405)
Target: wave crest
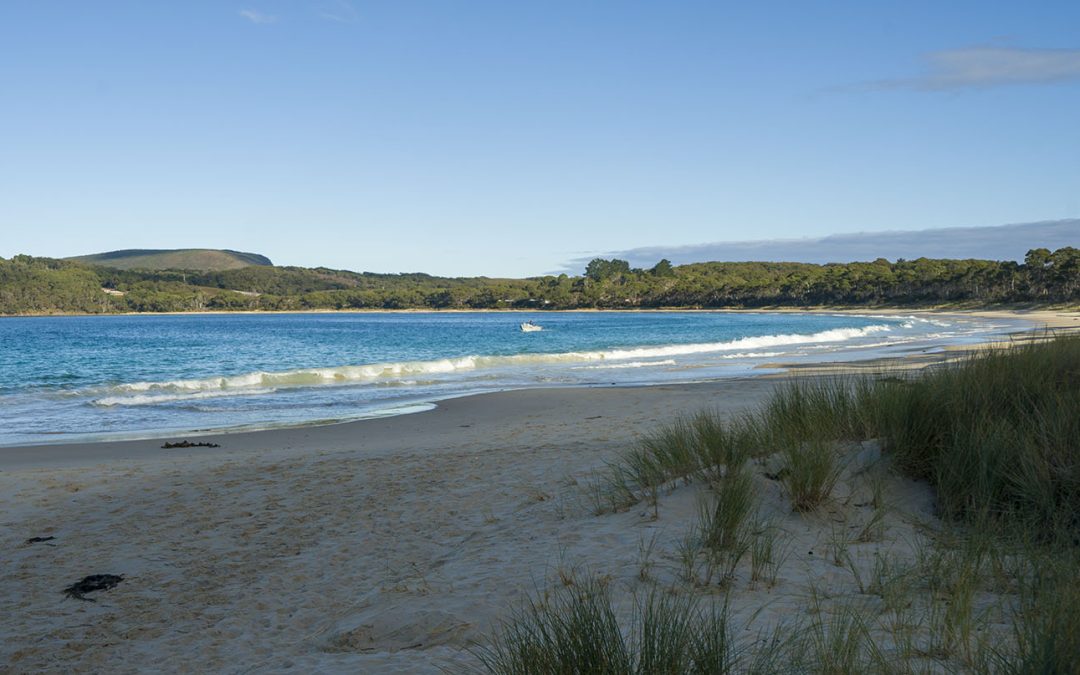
point(261, 382)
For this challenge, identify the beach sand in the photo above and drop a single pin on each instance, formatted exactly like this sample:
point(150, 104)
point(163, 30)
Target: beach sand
point(386, 545)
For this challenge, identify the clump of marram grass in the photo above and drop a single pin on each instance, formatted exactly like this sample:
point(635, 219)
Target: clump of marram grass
point(768, 552)
point(812, 471)
point(834, 642)
point(572, 630)
point(575, 629)
point(700, 447)
point(725, 531)
point(733, 501)
point(722, 445)
point(814, 409)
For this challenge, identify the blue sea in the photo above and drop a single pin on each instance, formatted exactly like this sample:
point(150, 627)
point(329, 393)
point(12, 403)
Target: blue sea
point(64, 379)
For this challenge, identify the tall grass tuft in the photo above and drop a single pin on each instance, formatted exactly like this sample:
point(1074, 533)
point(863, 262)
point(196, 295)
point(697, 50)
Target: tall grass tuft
point(699, 447)
point(768, 552)
point(814, 409)
point(734, 501)
point(724, 532)
point(722, 446)
point(812, 471)
point(576, 631)
point(571, 630)
point(835, 643)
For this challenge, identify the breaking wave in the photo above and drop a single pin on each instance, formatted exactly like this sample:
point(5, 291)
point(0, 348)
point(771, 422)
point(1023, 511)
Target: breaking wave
point(257, 383)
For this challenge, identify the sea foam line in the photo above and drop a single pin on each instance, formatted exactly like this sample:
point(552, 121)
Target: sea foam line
point(260, 382)
point(631, 364)
point(151, 399)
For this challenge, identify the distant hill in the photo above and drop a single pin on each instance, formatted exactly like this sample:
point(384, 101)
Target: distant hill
point(201, 259)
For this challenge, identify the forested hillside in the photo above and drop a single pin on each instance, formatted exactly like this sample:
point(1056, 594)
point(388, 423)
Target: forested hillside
point(43, 285)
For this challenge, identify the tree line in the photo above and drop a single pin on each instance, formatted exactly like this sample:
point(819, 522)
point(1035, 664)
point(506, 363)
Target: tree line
point(32, 285)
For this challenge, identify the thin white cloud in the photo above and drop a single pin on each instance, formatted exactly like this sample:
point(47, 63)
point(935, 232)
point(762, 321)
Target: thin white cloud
point(981, 67)
point(255, 16)
point(340, 11)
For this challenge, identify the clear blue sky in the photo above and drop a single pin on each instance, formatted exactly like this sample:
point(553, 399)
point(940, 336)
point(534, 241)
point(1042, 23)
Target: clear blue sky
point(505, 138)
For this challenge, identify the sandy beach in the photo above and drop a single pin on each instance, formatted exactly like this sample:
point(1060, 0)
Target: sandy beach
point(385, 545)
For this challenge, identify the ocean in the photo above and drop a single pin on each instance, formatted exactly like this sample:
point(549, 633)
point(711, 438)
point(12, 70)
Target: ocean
point(65, 379)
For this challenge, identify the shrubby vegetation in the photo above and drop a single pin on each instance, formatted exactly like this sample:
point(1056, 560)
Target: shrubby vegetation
point(43, 285)
point(35, 285)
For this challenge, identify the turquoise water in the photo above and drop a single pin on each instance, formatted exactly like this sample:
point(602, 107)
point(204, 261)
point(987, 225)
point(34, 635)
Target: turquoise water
point(78, 378)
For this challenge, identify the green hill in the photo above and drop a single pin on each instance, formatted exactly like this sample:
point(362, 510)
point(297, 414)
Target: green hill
point(201, 259)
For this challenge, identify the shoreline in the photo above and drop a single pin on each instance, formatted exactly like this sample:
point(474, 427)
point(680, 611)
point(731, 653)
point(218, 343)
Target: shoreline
point(75, 451)
point(816, 309)
point(340, 436)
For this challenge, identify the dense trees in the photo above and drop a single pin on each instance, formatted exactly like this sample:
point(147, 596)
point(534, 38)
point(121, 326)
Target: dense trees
point(33, 285)
point(43, 285)
point(601, 270)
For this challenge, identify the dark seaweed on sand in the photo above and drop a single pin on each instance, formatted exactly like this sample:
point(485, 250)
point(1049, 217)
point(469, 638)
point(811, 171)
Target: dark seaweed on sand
point(94, 582)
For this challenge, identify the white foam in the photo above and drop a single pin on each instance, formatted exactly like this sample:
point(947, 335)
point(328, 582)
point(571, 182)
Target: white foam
point(632, 364)
point(151, 399)
point(908, 321)
point(260, 382)
point(751, 355)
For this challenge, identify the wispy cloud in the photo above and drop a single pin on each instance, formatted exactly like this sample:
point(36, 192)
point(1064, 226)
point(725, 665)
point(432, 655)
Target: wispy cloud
point(255, 16)
point(341, 11)
point(981, 67)
point(1004, 242)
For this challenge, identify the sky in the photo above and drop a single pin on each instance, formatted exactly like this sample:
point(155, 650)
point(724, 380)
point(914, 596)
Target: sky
point(513, 138)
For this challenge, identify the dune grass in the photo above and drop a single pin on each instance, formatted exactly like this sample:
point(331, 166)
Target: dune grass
point(698, 447)
point(834, 643)
point(812, 472)
point(574, 630)
point(997, 435)
point(725, 530)
point(1047, 634)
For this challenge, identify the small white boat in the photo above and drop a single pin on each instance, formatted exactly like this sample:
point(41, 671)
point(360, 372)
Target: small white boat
point(530, 327)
